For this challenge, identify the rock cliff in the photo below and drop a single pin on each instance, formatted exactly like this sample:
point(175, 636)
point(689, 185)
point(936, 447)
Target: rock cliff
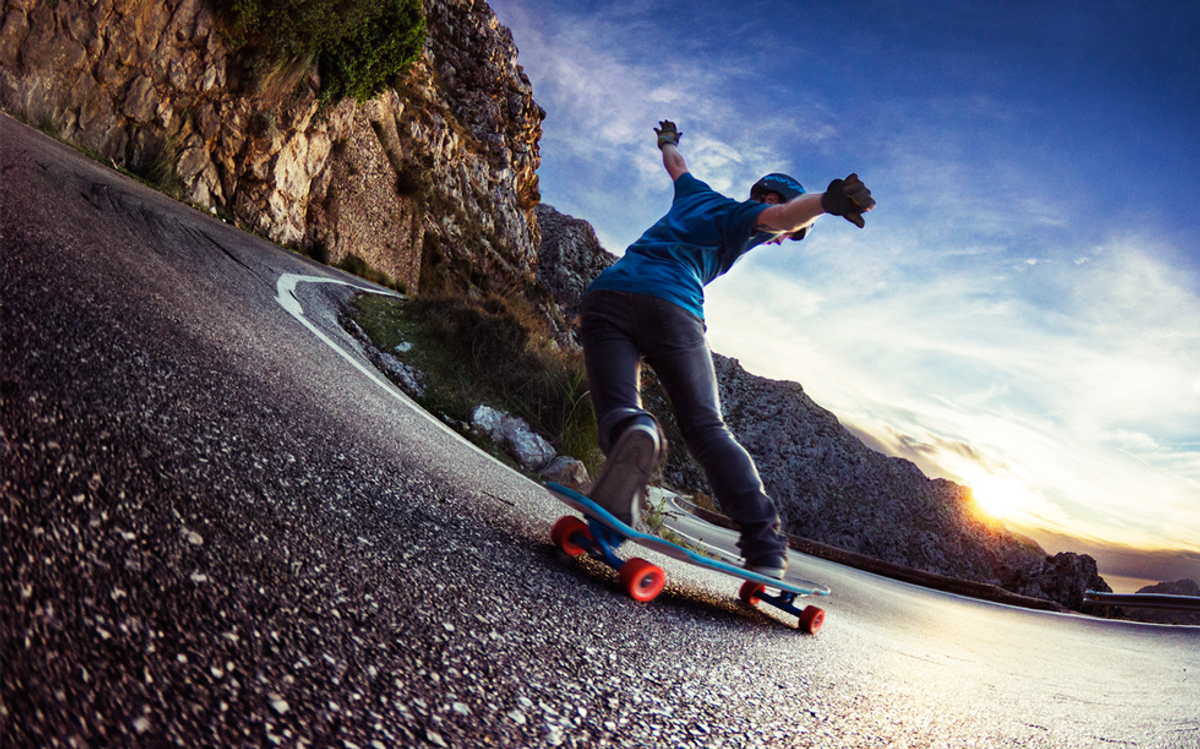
point(832, 488)
point(433, 182)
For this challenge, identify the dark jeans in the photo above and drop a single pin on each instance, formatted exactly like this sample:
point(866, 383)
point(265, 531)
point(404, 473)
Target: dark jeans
point(619, 330)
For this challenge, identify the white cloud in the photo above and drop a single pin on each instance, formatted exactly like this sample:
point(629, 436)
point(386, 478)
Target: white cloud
point(602, 101)
point(1079, 381)
point(1130, 440)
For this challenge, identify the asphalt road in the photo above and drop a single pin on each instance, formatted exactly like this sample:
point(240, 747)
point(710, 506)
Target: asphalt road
point(219, 528)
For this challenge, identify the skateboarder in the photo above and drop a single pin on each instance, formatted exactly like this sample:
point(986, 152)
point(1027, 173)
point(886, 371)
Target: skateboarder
point(649, 306)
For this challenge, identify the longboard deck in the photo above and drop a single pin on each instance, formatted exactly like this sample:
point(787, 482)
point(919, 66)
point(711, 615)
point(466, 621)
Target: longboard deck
point(725, 562)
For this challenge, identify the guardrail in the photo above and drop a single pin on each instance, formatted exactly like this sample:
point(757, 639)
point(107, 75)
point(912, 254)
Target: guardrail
point(969, 588)
point(1144, 600)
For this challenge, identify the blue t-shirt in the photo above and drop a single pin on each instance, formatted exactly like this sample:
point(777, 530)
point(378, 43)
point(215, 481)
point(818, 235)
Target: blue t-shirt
point(699, 239)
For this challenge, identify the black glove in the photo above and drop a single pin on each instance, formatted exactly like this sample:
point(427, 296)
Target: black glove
point(668, 133)
point(848, 198)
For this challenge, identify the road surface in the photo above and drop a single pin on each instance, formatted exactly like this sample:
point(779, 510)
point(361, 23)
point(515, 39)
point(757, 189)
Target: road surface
point(220, 528)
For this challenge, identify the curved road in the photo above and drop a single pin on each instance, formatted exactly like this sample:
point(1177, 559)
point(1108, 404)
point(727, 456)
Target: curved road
point(219, 528)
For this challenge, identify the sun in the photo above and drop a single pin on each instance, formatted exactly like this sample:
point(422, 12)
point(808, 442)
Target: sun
point(998, 495)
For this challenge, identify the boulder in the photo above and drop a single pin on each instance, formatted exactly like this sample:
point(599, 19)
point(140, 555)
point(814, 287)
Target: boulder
point(567, 471)
point(530, 450)
point(487, 420)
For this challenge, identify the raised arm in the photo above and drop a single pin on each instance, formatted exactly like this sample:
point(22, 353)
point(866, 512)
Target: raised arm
point(668, 142)
point(673, 161)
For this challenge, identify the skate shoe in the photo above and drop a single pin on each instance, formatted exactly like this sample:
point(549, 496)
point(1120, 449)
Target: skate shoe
point(773, 566)
point(627, 471)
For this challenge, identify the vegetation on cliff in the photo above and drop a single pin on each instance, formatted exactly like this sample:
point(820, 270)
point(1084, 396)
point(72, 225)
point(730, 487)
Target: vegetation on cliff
point(358, 46)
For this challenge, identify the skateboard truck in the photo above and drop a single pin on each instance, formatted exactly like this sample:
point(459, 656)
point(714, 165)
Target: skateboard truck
point(642, 580)
point(811, 618)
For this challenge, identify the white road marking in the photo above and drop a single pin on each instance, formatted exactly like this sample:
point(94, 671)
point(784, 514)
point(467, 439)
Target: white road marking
point(285, 289)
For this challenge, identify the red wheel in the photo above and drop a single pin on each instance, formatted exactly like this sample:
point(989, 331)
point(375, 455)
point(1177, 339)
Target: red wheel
point(811, 620)
point(642, 580)
point(751, 591)
point(561, 533)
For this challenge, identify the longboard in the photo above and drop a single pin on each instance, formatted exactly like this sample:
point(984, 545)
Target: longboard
point(602, 534)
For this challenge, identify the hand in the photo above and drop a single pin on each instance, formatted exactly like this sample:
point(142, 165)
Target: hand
point(667, 133)
point(848, 198)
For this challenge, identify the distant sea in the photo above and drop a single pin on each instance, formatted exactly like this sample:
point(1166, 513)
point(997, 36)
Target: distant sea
point(1129, 584)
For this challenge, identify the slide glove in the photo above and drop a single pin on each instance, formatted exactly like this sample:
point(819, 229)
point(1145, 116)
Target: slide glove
point(667, 133)
point(848, 198)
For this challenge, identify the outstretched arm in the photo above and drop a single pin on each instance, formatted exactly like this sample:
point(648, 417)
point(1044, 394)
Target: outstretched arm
point(791, 216)
point(848, 198)
point(668, 141)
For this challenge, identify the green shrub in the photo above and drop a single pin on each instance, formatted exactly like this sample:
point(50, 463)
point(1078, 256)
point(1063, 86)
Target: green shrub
point(487, 335)
point(376, 51)
point(359, 46)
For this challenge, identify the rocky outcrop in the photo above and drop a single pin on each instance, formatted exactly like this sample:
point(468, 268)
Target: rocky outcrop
point(1063, 578)
point(433, 182)
point(569, 257)
point(1177, 588)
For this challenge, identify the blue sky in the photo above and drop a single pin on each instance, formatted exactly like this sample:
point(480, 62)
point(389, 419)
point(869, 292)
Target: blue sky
point(1021, 313)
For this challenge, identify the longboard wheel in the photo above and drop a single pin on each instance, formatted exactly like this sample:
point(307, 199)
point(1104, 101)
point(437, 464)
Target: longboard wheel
point(566, 527)
point(811, 619)
point(642, 580)
point(750, 592)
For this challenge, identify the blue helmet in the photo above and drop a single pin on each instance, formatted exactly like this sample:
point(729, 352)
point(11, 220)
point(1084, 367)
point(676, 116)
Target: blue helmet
point(785, 186)
point(780, 183)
